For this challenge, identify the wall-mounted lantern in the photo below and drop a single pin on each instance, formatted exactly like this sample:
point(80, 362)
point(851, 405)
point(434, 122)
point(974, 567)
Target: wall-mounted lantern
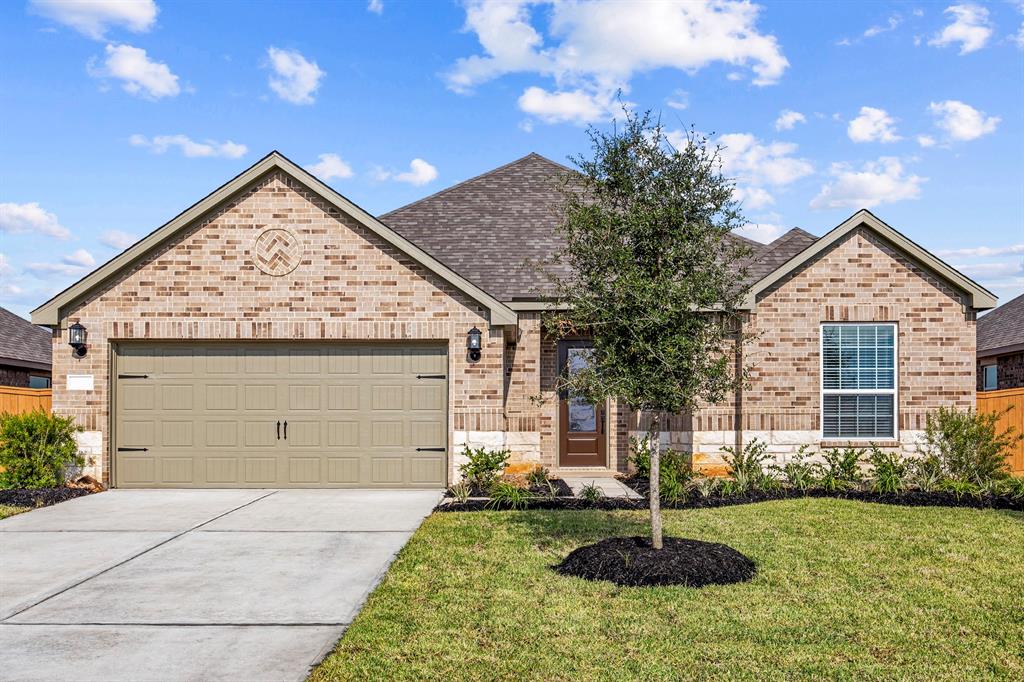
point(76, 339)
point(473, 344)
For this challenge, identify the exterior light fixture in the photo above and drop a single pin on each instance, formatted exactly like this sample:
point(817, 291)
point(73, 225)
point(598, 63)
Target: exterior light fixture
point(76, 339)
point(473, 344)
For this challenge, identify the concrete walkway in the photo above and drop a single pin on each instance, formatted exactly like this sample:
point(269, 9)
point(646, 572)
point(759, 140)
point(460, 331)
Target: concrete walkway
point(609, 487)
point(193, 584)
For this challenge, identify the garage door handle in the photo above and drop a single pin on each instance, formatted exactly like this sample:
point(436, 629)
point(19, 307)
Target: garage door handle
point(132, 376)
point(429, 449)
point(431, 376)
point(279, 430)
point(286, 430)
point(133, 449)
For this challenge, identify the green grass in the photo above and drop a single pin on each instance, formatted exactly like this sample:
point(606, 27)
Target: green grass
point(7, 510)
point(845, 590)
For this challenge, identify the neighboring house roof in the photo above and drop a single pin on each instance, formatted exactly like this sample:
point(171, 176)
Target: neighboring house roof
point(23, 344)
point(978, 296)
point(1002, 330)
point(49, 312)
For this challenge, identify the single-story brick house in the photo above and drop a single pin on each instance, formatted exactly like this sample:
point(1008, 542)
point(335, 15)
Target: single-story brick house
point(24, 352)
point(1001, 347)
point(275, 334)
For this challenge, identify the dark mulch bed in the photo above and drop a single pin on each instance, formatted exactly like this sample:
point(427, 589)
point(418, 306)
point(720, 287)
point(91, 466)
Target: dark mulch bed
point(632, 561)
point(40, 497)
point(910, 498)
point(562, 489)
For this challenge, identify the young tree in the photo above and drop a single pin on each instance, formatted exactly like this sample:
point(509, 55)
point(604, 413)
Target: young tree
point(655, 276)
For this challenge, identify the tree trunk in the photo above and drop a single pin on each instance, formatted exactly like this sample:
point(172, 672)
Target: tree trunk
point(655, 497)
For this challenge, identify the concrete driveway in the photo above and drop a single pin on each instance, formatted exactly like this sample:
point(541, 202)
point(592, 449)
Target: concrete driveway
point(193, 584)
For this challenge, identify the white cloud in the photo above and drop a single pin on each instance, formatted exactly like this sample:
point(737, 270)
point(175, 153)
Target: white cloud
point(753, 197)
point(971, 28)
point(749, 161)
point(190, 148)
point(329, 167)
point(788, 119)
point(116, 239)
point(984, 251)
point(873, 125)
point(575, 106)
point(295, 78)
point(30, 217)
point(679, 100)
point(926, 140)
point(593, 49)
point(1018, 37)
point(961, 121)
point(94, 17)
point(761, 232)
point(754, 165)
point(986, 270)
point(877, 182)
point(72, 264)
point(420, 173)
point(375, 6)
point(890, 25)
point(5, 266)
point(137, 73)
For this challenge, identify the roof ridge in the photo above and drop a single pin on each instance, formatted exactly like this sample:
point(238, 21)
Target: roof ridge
point(481, 176)
point(782, 239)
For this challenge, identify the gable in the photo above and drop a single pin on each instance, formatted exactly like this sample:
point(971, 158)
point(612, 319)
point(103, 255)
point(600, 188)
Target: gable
point(974, 294)
point(50, 312)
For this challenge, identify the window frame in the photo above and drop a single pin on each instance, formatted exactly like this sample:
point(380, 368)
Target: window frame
point(894, 391)
point(984, 376)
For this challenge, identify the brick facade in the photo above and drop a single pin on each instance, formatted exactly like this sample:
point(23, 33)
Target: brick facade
point(348, 285)
point(1009, 370)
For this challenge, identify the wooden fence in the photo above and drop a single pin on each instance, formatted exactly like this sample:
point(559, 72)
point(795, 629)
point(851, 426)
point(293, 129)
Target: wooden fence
point(18, 400)
point(998, 401)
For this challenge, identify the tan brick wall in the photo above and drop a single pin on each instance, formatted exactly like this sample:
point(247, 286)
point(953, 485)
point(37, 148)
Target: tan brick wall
point(860, 279)
point(349, 285)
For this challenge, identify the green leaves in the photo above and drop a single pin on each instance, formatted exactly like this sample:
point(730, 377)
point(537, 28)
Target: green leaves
point(37, 449)
point(657, 277)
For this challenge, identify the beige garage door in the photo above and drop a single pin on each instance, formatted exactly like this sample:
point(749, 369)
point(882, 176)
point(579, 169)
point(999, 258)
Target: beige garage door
point(280, 415)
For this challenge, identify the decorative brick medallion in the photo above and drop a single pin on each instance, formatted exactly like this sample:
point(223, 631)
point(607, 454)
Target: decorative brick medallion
point(276, 252)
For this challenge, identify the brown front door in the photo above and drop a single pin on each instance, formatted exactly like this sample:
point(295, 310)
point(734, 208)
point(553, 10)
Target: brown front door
point(581, 425)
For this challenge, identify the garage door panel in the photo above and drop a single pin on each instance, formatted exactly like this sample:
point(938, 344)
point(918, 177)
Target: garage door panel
point(208, 415)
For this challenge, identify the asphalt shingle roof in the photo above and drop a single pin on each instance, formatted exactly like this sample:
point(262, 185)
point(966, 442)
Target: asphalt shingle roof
point(497, 228)
point(22, 341)
point(1002, 327)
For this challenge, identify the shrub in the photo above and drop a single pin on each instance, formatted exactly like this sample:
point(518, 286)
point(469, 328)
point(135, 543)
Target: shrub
point(799, 472)
point(460, 491)
point(705, 485)
point(640, 455)
point(504, 494)
point(925, 473)
point(590, 493)
point(960, 487)
point(36, 449)
point(484, 466)
point(889, 471)
point(967, 445)
point(842, 468)
point(746, 465)
point(538, 476)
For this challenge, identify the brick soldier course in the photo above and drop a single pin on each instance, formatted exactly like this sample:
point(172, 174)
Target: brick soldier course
point(276, 255)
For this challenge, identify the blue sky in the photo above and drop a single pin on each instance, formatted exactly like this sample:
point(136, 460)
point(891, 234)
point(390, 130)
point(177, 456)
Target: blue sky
point(118, 115)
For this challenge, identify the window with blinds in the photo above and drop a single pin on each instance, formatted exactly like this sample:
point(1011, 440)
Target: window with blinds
point(858, 381)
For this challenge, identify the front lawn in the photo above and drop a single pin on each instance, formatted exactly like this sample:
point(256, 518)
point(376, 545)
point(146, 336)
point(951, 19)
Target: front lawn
point(844, 590)
point(8, 510)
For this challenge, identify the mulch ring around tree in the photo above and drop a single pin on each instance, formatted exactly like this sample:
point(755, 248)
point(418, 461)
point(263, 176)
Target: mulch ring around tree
point(40, 497)
point(632, 561)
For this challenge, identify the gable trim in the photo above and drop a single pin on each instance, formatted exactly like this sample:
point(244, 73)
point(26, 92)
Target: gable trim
point(49, 313)
point(978, 297)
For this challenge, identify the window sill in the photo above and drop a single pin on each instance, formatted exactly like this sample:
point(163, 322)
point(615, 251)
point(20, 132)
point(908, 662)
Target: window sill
point(840, 443)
